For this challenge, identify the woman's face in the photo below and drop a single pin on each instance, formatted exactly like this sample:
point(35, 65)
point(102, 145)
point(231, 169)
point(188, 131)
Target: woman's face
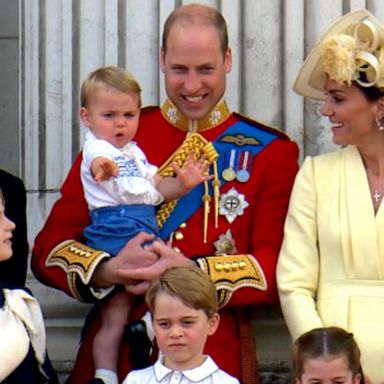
point(327, 370)
point(6, 228)
point(352, 116)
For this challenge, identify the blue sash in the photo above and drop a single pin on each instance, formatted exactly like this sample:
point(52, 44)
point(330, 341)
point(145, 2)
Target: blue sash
point(190, 203)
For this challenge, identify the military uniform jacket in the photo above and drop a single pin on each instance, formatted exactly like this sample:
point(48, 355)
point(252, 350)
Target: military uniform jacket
point(249, 229)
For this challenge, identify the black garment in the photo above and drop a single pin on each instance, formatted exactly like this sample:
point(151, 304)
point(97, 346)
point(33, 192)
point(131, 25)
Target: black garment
point(140, 345)
point(14, 270)
point(28, 372)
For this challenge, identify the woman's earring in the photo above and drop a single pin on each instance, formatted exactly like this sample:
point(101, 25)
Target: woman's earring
point(380, 125)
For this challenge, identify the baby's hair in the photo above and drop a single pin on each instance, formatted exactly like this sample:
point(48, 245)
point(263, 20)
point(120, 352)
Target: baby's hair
point(191, 285)
point(326, 342)
point(112, 77)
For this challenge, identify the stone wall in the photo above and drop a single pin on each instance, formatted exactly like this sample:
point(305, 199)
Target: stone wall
point(9, 86)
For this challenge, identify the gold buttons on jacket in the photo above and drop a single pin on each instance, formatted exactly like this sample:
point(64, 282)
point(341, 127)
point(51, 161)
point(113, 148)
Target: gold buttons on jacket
point(178, 235)
point(229, 266)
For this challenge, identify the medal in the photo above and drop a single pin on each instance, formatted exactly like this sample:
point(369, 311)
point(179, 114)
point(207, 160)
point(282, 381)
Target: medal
point(229, 173)
point(242, 175)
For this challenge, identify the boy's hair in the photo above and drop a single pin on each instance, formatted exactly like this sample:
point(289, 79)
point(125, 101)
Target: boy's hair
point(191, 285)
point(197, 14)
point(326, 342)
point(111, 76)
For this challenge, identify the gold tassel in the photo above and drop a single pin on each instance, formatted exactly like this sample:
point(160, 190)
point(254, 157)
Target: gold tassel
point(206, 200)
point(216, 193)
point(212, 156)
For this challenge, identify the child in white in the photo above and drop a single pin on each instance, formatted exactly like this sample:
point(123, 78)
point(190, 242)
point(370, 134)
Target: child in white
point(183, 305)
point(131, 195)
point(121, 189)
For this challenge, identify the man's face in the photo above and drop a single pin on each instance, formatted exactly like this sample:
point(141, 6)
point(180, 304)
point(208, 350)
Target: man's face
point(195, 69)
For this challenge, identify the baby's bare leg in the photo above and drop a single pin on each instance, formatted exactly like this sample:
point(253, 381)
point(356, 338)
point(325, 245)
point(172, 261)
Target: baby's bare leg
point(114, 316)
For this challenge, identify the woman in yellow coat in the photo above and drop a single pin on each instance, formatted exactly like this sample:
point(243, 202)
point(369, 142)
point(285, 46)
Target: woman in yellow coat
point(331, 265)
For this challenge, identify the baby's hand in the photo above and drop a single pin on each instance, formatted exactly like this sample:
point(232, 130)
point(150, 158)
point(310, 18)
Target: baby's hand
point(103, 169)
point(193, 172)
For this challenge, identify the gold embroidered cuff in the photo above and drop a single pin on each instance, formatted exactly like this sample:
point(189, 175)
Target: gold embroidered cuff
point(231, 272)
point(76, 259)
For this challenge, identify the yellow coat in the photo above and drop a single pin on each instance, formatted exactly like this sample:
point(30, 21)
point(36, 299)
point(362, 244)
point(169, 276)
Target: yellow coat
point(331, 265)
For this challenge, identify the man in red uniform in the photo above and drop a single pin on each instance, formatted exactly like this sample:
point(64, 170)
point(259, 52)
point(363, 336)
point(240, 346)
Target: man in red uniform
point(231, 227)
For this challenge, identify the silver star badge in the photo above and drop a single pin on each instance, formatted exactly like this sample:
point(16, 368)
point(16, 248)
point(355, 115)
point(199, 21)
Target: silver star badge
point(232, 204)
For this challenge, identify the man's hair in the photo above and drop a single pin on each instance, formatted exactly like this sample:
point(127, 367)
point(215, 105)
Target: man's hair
point(191, 285)
point(197, 14)
point(326, 342)
point(113, 77)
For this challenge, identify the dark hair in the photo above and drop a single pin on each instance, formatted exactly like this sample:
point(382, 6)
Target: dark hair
point(197, 14)
point(371, 93)
point(191, 285)
point(330, 341)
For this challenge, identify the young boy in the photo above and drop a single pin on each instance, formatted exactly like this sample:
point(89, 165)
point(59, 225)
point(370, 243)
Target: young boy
point(183, 305)
point(121, 189)
point(23, 355)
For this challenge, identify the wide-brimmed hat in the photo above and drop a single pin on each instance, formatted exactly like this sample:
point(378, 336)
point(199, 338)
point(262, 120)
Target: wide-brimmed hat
point(352, 49)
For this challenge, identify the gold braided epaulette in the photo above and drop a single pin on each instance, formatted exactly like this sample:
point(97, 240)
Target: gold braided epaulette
point(232, 272)
point(199, 146)
point(76, 258)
